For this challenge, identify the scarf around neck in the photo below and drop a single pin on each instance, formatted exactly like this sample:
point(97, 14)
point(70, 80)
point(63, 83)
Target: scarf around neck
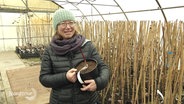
point(63, 46)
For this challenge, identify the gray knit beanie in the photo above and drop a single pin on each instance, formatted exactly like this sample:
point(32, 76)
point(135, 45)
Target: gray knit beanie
point(61, 15)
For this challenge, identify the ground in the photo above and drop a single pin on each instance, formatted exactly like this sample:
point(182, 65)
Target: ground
point(19, 82)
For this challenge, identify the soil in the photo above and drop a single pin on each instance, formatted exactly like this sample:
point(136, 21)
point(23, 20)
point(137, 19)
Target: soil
point(91, 66)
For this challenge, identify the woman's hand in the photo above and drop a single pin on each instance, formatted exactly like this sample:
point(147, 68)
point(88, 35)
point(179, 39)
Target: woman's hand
point(89, 85)
point(71, 75)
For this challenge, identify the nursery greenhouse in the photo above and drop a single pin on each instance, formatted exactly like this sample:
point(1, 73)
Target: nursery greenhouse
point(141, 42)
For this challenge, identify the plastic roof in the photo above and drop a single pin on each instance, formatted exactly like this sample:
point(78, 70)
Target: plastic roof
point(19, 6)
point(164, 10)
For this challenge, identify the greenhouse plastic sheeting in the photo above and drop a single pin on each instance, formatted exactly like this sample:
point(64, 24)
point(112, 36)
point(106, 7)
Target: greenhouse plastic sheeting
point(23, 5)
point(125, 9)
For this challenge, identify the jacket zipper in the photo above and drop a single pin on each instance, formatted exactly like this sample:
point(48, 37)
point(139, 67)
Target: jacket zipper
point(70, 57)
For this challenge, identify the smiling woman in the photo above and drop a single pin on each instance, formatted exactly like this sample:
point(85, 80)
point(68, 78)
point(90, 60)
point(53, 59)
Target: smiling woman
point(61, 18)
point(66, 29)
point(66, 50)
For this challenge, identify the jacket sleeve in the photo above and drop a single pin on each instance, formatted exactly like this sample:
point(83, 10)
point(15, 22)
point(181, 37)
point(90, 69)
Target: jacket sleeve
point(104, 71)
point(47, 77)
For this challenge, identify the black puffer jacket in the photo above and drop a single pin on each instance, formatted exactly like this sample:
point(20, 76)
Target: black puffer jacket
point(53, 75)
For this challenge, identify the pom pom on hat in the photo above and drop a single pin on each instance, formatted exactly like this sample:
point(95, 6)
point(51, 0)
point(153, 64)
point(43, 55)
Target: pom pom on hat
point(61, 15)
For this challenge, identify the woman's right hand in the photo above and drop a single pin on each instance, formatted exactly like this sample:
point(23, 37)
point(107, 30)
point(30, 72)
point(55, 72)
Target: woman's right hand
point(71, 75)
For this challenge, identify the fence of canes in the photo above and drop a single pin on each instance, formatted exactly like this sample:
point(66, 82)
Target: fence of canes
point(146, 59)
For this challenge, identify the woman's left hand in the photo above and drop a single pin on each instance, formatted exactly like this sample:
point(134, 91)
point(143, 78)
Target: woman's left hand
point(89, 85)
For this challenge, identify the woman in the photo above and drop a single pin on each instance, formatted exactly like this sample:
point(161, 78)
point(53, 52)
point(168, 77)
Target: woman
point(59, 61)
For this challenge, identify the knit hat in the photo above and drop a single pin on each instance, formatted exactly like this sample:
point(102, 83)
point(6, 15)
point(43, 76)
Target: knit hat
point(61, 15)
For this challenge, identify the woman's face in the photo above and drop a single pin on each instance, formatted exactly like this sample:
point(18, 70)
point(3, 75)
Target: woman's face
point(66, 29)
